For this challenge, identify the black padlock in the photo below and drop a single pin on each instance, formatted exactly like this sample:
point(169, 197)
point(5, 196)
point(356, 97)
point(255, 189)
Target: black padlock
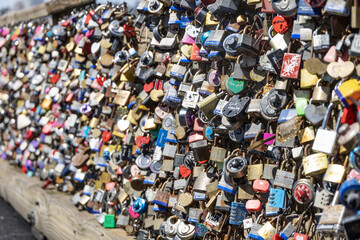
point(235, 108)
point(352, 226)
point(200, 150)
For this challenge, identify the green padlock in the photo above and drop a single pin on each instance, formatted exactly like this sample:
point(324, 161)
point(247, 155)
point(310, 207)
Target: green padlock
point(235, 86)
point(300, 106)
point(109, 221)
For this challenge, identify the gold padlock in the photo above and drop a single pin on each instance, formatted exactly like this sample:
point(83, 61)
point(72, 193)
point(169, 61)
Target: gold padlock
point(314, 164)
point(307, 80)
point(306, 135)
point(254, 171)
point(46, 104)
point(335, 173)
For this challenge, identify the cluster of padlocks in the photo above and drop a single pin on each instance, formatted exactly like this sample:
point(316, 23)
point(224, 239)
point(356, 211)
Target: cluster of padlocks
point(238, 119)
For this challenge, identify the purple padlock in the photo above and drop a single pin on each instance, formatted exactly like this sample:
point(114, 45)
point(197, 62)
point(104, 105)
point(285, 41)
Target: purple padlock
point(214, 78)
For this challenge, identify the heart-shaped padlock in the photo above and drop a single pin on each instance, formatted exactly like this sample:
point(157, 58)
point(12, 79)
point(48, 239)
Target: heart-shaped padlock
point(123, 124)
point(339, 70)
point(315, 114)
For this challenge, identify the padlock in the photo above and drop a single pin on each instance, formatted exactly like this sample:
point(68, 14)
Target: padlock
point(254, 171)
point(162, 197)
point(323, 134)
point(320, 93)
point(279, 41)
point(214, 41)
point(337, 8)
point(335, 173)
point(261, 186)
point(253, 205)
point(349, 194)
point(303, 191)
point(237, 213)
point(277, 198)
point(285, 8)
point(330, 222)
point(236, 166)
point(314, 164)
point(283, 178)
point(321, 42)
point(267, 230)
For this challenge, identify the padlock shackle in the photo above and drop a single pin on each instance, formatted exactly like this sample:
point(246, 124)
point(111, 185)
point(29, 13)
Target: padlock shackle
point(327, 116)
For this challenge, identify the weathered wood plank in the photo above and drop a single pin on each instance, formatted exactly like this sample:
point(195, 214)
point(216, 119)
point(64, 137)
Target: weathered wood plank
point(55, 216)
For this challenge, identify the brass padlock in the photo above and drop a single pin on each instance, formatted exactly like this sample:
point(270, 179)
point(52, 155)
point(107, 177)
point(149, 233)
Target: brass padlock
point(314, 164)
point(335, 173)
point(254, 171)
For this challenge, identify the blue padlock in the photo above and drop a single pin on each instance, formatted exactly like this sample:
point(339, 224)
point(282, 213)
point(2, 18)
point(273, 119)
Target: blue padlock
point(139, 206)
point(350, 194)
point(354, 158)
point(277, 198)
point(237, 213)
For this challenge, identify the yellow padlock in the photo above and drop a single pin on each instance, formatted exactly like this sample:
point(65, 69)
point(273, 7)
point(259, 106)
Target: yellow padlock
point(210, 20)
point(350, 89)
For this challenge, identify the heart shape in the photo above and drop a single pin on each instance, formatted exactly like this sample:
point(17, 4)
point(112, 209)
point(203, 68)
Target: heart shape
point(106, 136)
point(123, 124)
point(140, 141)
point(54, 79)
point(339, 70)
point(315, 114)
point(315, 66)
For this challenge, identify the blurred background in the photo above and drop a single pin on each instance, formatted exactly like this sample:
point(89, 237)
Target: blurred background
point(6, 5)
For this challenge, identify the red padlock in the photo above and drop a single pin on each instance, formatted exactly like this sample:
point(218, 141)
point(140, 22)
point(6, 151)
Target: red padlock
point(291, 66)
point(282, 24)
point(261, 186)
point(140, 141)
point(299, 236)
point(277, 237)
point(46, 129)
point(253, 205)
point(106, 136)
point(198, 125)
point(55, 78)
point(29, 134)
point(353, 174)
point(149, 86)
point(207, 2)
point(184, 171)
point(348, 116)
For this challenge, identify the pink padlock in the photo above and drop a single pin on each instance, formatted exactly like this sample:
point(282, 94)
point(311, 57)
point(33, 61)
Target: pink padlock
point(132, 213)
point(198, 125)
point(353, 174)
point(331, 55)
point(46, 129)
point(109, 186)
point(267, 135)
point(187, 39)
point(89, 33)
point(196, 136)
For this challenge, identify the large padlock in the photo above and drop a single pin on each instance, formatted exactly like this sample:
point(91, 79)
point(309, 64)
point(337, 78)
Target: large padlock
point(214, 42)
point(325, 140)
point(314, 164)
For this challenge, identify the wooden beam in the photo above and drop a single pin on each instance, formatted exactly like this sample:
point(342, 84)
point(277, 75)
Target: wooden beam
point(55, 217)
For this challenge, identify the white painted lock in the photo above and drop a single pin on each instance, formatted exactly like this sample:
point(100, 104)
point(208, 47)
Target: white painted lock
point(123, 124)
